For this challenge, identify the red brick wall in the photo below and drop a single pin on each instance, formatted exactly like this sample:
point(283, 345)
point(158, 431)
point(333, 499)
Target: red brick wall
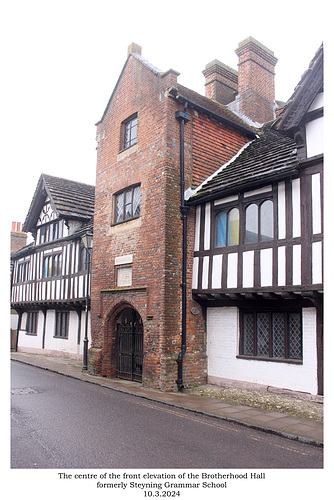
point(155, 239)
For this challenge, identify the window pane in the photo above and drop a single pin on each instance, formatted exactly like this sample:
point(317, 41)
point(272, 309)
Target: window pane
point(136, 201)
point(119, 215)
point(233, 227)
point(251, 223)
point(278, 327)
point(267, 223)
point(262, 334)
point(248, 334)
point(295, 336)
point(221, 229)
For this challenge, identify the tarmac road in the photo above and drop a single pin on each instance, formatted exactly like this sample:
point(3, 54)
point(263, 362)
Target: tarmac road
point(60, 422)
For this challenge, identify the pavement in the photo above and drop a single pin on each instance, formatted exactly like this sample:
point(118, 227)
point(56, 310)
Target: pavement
point(300, 429)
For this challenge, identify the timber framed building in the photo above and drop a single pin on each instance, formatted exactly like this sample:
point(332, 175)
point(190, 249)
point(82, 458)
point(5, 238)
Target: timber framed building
point(49, 276)
point(258, 251)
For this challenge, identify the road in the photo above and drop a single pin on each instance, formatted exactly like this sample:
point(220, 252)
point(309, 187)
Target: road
point(59, 422)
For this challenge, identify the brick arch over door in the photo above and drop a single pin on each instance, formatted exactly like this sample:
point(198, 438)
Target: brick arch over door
point(123, 343)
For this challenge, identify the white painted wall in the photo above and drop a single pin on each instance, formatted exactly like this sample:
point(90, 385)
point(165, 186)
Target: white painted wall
point(223, 347)
point(54, 346)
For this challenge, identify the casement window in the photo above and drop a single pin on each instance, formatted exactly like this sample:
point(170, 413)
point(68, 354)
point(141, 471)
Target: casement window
point(32, 322)
point(129, 132)
point(52, 265)
point(228, 228)
point(127, 204)
point(50, 232)
point(22, 272)
point(82, 259)
point(271, 335)
point(259, 222)
point(62, 324)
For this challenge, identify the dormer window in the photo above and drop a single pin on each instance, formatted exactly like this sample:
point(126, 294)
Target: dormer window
point(129, 132)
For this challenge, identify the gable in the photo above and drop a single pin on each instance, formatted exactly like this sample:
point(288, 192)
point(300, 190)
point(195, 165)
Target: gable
point(56, 198)
point(304, 96)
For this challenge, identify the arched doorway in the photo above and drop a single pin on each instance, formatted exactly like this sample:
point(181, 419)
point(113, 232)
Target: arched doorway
point(129, 346)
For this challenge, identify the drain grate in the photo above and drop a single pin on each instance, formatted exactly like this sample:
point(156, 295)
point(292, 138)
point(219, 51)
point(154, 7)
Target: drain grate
point(25, 390)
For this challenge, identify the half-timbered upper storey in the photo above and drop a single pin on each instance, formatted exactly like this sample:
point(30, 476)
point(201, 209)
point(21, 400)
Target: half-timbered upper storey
point(259, 220)
point(52, 270)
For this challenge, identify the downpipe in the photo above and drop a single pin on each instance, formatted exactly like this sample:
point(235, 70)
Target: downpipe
point(183, 117)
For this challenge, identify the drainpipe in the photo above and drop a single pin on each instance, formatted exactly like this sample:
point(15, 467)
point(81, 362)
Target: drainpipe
point(183, 117)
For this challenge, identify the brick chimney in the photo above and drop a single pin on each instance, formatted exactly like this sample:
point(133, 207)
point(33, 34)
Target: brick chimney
point(18, 239)
point(221, 82)
point(256, 80)
point(134, 48)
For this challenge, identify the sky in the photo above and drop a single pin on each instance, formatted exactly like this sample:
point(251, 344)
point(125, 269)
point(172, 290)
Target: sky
point(61, 61)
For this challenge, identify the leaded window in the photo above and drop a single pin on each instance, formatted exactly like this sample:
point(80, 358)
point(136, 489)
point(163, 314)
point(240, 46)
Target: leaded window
point(275, 335)
point(127, 204)
point(129, 132)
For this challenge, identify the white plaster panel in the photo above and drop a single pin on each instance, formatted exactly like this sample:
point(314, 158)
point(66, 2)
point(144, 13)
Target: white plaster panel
point(195, 273)
point(205, 272)
point(316, 204)
point(317, 262)
point(281, 211)
point(266, 266)
point(217, 265)
point(296, 208)
point(207, 226)
point(314, 137)
point(248, 269)
point(232, 270)
point(296, 265)
point(197, 228)
point(281, 262)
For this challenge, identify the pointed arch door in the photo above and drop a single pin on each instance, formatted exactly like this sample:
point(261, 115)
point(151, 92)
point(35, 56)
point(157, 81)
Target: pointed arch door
point(129, 346)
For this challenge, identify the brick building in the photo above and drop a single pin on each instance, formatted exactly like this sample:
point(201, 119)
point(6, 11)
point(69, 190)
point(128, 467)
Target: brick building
point(151, 128)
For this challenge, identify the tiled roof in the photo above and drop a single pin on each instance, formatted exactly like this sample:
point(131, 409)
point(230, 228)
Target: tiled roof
point(271, 155)
point(70, 200)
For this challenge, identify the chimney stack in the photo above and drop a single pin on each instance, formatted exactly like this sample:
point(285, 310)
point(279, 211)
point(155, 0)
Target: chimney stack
point(18, 239)
point(256, 77)
point(134, 48)
point(221, 82)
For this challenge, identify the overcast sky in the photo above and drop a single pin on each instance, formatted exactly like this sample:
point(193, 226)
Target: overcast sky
point(62, 60)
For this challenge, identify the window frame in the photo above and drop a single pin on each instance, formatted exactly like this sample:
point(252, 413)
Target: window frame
point(128, 125)
point(123, 192)
point(62, 320)
point(287, 335)
point(32, 323)
point(259, 204)
point(54, 268)
point(227, 211)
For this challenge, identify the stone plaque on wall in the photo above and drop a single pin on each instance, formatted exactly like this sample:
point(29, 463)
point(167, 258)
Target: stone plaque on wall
point(124, 276)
